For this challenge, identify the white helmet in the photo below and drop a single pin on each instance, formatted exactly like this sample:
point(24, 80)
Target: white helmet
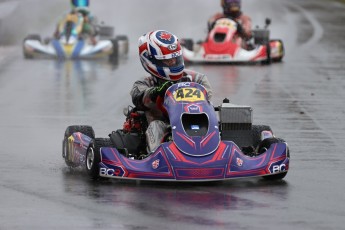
point(161, 55)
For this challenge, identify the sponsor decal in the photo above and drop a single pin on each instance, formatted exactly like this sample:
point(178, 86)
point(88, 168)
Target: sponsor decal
point(176, 54)
point(239, 162)
point(172, 47)
point(181, 84)
point(277, 167)
point(194, 108)
point(155, 164)
point(111, 172)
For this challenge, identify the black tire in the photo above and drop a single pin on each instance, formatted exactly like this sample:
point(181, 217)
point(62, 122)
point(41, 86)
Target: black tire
point(266, 144)
point(188, 44)
point(84, 129)
point(93, 157)
point(122, 44)
point(268, 58)
point(263, 146)
point(279, 176)
point(256, 132)
point(113, 57)
point(283, 51)
point(30, 37)
point(33, 37)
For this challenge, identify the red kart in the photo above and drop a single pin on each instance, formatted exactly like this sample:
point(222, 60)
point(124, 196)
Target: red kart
point(220, 46)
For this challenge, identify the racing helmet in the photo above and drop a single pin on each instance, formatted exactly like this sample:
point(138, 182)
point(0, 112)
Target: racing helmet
point(231, 8)
point(161, 55)
point(80, 3)
point(81, 6)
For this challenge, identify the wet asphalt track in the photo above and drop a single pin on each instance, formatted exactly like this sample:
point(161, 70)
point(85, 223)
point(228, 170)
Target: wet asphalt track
point(302, 99)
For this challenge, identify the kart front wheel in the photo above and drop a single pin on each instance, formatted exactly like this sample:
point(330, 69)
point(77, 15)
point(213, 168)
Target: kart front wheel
point(36, 37)
point(92, 162)
point(93, 157)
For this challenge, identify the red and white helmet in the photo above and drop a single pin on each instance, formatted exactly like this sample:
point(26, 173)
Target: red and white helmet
point(161, 55)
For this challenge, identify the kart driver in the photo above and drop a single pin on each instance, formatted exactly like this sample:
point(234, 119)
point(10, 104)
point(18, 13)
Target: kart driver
point(89, 28)
point(232, 10)
point(161, 56)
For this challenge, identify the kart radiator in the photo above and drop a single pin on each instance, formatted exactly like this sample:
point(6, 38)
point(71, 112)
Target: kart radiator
point(236, 124)
point(235, 117)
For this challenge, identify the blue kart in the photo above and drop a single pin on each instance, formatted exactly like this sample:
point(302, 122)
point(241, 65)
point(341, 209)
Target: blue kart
point(204, 143)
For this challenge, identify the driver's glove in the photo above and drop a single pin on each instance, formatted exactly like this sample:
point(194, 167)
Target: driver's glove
point(240, 29)
point(159, 90)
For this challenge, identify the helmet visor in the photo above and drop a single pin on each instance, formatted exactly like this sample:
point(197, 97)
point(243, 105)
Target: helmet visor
point(232, 5)
point(172, 62)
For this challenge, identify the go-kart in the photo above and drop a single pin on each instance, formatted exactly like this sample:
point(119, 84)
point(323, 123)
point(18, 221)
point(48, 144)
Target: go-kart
point(204, 143)
point(220, 46)
point(71, 43)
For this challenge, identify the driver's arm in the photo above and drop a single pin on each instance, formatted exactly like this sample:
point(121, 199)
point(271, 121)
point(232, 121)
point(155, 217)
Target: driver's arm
point(247, 26)
point(140, 93)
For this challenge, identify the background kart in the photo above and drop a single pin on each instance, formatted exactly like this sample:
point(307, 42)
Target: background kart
point(203, 144)
point(72, 44)
point(220, 47)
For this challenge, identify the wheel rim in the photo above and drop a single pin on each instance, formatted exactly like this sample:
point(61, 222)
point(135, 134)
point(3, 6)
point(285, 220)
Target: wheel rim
point(90, 158)
point(64, 153)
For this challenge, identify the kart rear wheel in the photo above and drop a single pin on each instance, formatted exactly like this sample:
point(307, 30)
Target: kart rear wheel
point(93, 157)
point(263, 146)
point(256, 132)
point(279, 59)
point(187, 43)
point(278, 176)
point(84, 129)
point(113, 57)
point(268, 52)
point(122, 44)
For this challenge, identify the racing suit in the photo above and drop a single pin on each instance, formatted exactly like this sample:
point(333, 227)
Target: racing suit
point(88, 29)
point(245, 22)
point(140, 94)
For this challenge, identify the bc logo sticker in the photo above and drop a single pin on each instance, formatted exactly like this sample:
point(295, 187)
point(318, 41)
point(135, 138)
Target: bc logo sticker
point(155, 164)
point(277, 167)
